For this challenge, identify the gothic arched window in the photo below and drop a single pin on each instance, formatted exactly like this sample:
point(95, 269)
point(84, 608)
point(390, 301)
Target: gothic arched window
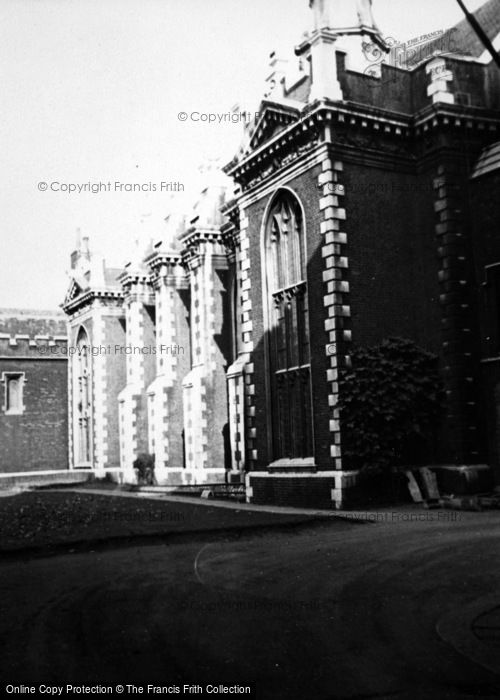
point(82, 400)
point(289, 330)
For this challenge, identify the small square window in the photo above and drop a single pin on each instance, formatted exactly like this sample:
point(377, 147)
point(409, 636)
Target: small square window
point(13, 397)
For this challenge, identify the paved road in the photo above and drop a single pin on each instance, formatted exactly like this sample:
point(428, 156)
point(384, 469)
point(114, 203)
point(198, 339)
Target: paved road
point(332, 612)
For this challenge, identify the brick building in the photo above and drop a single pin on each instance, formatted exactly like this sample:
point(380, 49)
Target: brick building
point(364, 208)
point(34, 398)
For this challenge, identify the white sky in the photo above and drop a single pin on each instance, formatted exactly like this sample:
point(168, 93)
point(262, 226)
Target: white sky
point(91, 90)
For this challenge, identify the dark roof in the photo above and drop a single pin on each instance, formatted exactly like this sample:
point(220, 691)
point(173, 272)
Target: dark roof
point(488, 161)
point(465, 38)
point(460, 40)
point(32, 322)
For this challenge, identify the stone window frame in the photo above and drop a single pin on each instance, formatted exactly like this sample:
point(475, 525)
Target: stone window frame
point(6, 377)
point(82, 419)
point(277, 289)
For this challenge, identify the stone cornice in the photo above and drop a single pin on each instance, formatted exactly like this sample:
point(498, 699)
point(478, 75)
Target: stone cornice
point(159, 258)
point(453, 116)
point(167, 268)
point(313, 119)
point(168, 280)
point(88, 297)
point(351, 120)
point(136, 286)
point(144, 296)
point(193, 240)
point(292, 169)
point(129, 277)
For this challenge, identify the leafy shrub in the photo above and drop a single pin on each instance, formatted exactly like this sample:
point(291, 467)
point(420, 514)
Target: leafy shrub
point(389, 402)
point(144, 467)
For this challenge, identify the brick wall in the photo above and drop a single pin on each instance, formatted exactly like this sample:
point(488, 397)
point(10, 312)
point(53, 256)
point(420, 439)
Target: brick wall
point(38, 438)
point(290, 491)
point(392, 257)
point(407, 93)
point(34, 345)
point(458, 308)
point(486, 246)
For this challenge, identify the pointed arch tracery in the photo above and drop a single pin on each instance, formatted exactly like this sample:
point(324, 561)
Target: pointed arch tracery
point(288, 313)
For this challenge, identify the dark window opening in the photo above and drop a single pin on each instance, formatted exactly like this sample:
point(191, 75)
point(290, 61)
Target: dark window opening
point(289, 331)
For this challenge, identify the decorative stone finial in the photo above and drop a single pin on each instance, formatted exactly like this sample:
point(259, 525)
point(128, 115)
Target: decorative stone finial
point(346, 17)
